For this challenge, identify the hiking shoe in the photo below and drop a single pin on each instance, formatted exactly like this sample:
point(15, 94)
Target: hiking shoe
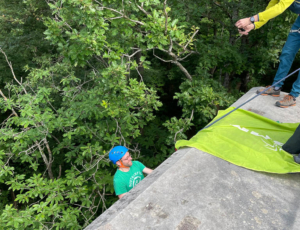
point(297, 159)
point(271, 91)
point(287, 101)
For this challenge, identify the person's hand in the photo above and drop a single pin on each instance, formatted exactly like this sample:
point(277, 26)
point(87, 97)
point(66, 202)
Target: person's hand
point(242, 23)
point(247, 29)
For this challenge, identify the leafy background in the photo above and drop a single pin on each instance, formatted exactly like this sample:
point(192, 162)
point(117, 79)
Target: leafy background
point(80, 76)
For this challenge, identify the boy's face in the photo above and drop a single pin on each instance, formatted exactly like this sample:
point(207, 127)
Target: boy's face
point(127, 160)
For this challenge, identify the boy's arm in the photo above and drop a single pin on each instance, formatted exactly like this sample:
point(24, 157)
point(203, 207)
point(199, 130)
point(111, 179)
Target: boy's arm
point(121, 195)
point(147, 170)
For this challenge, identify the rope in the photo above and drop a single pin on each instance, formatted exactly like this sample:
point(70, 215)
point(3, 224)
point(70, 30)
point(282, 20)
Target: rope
point(295, 31)
point(250, 99)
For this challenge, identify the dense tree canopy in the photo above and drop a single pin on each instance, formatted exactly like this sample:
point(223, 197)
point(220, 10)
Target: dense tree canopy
point(80, 76)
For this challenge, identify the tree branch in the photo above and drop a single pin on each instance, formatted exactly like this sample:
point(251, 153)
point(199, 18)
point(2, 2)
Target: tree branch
point(191, 39)
point(175, 61)
point(166, 18)
point(123, 15)
point(141, 8)
point(50, 160)
point(181, 59)
point(183, 127)
point(161, 58)
point(12, 70)
point(48, 163)
point(14, 112)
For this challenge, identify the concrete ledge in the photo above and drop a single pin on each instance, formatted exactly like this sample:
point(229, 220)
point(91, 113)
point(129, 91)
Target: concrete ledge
point(195, 190)
point(265, 106)
point(122, 204)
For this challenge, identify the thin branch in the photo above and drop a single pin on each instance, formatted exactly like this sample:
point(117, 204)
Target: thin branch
point(68, 26)
point(192, 52)
point(49, 166)
point(31, 149)
point(171, 45)
point(184, 127)
point(108, 19)
point(161, 58)
point(141, 8)
point(59, 175)
point(186, 73)
point(130, 56)
point(100, 59)
point(191, 39)
point(55, 138)
point(47, 162)
point(14, 112)
point(166, 18)
point(139, 74)
point(123, 15)
point(12, 70)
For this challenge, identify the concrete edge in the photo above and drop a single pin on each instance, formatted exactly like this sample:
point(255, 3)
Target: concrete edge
point(134, 193)
point(251, 93)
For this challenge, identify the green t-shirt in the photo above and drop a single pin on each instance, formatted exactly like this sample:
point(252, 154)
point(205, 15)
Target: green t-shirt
point(125, 181)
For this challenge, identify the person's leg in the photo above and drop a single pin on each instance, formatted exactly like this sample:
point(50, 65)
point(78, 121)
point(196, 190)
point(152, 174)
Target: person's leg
point(288, 54)
point(287, 57)
point(296, 87)
point(292, 144)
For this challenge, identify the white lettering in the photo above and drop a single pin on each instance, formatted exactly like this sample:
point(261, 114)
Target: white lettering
point(257, 134)
point(239, 127)
point(276, 144)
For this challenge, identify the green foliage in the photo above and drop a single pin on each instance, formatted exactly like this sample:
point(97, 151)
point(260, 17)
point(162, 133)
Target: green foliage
point(21, 26)
point(73, 132)
point(201, 96)
point(88, 75)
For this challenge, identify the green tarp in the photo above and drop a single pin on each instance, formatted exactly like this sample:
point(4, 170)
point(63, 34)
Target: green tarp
point(248, 140)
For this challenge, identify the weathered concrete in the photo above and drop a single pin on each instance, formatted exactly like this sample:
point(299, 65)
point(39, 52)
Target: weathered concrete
point(195, 190)
point(265, 106)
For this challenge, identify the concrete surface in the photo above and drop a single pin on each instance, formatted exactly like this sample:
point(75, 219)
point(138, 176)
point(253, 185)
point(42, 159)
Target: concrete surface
point(195, 190)
point(265, 106)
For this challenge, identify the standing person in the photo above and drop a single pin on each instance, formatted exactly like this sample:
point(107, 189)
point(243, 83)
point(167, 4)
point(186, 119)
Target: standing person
point(292, 145)
point(129, 173)
point(289, 51)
